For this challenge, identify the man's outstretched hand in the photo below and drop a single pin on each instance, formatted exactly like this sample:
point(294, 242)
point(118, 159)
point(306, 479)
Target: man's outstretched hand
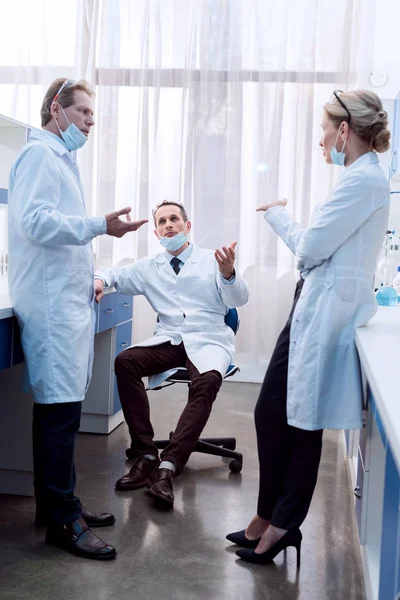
point(117, 227)
point(226, 260)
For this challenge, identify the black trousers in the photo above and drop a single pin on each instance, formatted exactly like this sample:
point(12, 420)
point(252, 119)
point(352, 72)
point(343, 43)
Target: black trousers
point(54, 429)
point(288, 457)
point(133, 364)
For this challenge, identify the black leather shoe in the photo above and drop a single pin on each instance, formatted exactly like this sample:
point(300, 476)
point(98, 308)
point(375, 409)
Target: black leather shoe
point(160, 487)
point(100, 519)
point(92, 519)
point(239, 538)
point(78, 539)
point(137, 477)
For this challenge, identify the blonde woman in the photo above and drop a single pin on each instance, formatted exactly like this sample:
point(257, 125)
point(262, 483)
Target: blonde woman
point(313, 380)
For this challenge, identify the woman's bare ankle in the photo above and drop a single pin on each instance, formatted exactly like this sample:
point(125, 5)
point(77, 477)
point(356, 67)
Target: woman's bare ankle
point(256, 528)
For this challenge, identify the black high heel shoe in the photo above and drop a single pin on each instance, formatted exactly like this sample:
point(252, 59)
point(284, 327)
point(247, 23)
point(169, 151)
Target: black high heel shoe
point(239, 538)
point(292, 537)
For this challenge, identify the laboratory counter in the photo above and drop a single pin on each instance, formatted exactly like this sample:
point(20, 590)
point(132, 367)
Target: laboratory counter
point(374, 456)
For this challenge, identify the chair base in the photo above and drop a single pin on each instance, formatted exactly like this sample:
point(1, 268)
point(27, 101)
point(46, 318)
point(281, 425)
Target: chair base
point(223, 447)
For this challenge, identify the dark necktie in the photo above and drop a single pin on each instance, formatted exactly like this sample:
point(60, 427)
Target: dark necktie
point(176, 264)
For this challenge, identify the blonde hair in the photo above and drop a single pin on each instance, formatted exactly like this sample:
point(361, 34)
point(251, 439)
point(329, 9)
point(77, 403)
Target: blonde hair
point(368, 119)
point(66, 97)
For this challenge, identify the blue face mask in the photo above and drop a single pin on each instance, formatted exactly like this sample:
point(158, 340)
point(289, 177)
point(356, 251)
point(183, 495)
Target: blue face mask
point(337, 157)
point(173, 243)
point(72, 136)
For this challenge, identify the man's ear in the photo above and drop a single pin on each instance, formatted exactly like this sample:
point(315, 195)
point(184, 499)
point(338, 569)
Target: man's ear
point(55, 110)
point(188, 226)
point(156, 232)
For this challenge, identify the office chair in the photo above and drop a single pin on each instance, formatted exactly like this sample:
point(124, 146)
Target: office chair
point(215, 446)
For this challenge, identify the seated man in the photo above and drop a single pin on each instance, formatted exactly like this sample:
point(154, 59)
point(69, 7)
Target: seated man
point(191, 290)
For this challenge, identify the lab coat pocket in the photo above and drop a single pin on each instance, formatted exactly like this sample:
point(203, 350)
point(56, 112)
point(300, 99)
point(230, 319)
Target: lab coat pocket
point(345, 284)
point(346, 289)
point(68, 290)
point(336, 326)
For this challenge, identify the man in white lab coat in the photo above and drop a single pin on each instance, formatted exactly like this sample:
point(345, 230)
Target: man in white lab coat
point(51, 288)
point(191, 290)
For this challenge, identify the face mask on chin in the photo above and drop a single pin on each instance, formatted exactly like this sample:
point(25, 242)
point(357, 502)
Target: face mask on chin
point(72, 136)
point(173, 243)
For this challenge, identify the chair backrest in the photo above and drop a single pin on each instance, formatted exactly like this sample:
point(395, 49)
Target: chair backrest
point(232, 320)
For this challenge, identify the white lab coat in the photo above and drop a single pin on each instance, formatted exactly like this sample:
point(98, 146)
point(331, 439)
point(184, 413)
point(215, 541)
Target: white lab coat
point(51, 268)
point(337, 256)
point(191, 306)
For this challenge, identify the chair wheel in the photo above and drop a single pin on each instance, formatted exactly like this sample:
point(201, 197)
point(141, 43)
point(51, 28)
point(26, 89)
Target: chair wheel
point(235, 466)
point(129, 453)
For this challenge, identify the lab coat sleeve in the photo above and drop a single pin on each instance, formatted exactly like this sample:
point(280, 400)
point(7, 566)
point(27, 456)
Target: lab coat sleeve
point(353, 201)
point(127, 279)
point(233, 295)
point(35, 197)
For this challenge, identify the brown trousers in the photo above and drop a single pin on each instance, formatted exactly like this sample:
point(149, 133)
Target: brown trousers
point(133, 364)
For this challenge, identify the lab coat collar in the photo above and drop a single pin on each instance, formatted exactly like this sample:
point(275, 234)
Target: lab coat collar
point(52, 140)
point(364, 159)
point(194, 256)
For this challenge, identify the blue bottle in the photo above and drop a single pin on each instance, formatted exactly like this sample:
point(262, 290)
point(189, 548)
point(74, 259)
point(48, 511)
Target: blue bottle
point(386, 296)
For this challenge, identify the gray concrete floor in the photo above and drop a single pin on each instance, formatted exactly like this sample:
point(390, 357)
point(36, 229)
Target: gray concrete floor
point(183, 555)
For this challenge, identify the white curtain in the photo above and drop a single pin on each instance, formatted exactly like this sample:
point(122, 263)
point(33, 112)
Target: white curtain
point(214, 103)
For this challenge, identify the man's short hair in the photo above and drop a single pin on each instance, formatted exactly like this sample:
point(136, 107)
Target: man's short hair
point(65, 98)
point(170, 203)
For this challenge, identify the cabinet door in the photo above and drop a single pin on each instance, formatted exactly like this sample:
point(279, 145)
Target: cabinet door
point(124, 308)
point(123, 341)
point(114, 308)
point(123, 337)
point(390, 546)
point(108, 311)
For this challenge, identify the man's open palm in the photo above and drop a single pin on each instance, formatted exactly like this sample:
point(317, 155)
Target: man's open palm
point(117, 227)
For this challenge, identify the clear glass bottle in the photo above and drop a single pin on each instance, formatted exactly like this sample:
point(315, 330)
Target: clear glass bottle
point(386, 269)
point(396, 285)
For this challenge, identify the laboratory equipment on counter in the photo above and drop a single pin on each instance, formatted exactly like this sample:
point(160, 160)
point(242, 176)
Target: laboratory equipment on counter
point(396, 284)
point(387, 265)
point(386, 296)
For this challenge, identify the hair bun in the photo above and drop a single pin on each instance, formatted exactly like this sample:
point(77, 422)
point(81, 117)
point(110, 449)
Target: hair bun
point(380, 143)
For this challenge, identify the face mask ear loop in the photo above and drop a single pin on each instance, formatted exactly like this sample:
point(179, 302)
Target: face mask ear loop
point(344, 143)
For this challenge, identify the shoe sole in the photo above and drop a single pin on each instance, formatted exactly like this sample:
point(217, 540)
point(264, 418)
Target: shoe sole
point(42, 524)
point(110, 556)
point(129, 488)
point(105, 524)
point(161, 500)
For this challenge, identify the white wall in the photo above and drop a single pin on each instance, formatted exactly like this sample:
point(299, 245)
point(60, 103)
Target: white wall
point(380, 46)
